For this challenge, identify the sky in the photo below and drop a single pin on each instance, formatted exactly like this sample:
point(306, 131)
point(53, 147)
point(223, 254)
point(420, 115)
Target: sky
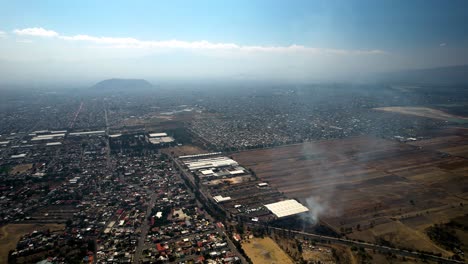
point(87, 41)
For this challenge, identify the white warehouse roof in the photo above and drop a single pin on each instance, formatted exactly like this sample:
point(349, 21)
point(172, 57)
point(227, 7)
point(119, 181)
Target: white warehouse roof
point(158, 135)
point(18, 156)
point(207, 172)
point(286, 208)
point(235, 172)
point(220, 198)
point(159, 140)
point(214, 162)
point(87, 133)
point(53, 144)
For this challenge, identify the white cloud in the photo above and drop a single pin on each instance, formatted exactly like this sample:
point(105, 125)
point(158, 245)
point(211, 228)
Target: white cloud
point(443, 44)
point(24, 41)
point(132, 43)
point(3, 34)
point(35, 31)
point(206, 45)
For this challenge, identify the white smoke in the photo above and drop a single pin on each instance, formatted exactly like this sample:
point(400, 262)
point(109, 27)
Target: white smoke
point(315, 209)
point(322, 201)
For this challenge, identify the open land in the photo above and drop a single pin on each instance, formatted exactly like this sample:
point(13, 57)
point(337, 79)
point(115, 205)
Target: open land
point(185, 150)
point(10, 235)
point(373, 189)
point(265, 250)
point(424, 112)
point(21, 168)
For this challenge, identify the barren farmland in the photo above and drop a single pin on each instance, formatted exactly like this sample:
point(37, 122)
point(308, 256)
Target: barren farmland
point(373, 188)
point(423, 112)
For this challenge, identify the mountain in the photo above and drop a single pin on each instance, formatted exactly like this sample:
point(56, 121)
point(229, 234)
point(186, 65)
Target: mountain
point(442, 75)
point(122, 85)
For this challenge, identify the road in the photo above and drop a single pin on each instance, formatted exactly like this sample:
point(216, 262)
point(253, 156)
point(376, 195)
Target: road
point(397, 251)
point(108, 150)
point(144, 230)
point(72, 123)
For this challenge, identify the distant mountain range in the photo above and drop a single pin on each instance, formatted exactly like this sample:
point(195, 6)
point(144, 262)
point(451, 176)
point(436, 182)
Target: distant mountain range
point(451, 75)
point(122, 85)
point(441, 75)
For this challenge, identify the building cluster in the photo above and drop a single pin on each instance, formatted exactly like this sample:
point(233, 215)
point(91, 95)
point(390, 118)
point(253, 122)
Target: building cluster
point(271, 118)
point(236, 190)
point(125, 206)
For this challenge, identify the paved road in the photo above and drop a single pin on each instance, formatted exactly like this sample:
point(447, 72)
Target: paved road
point(397, 251)
point(144, 230)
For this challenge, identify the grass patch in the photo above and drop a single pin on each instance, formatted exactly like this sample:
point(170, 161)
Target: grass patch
point(265, 251)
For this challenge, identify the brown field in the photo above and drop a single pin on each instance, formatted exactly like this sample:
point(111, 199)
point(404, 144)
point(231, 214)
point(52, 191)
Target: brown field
point(156, 120)
point(392, 190)
point(22, 168)
point(422, 112)
point(53, 214)
point(11, 233)
point(318, 253)
point(185, 150)
point(234, 180)
point(265, 251)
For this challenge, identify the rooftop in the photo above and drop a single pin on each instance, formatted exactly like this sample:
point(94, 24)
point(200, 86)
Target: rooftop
point(158, 135)
point(286, 208)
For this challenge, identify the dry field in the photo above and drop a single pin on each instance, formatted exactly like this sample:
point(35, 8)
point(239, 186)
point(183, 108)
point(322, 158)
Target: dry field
point(155, 120)
point(265, 251)
point(423, 112)
point(318, 253)
point(53, 214)
point(185, 150)
point(22, 168)
point(391, 190)
point(11, 233)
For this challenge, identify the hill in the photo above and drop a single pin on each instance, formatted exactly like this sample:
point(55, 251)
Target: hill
point(122, 85)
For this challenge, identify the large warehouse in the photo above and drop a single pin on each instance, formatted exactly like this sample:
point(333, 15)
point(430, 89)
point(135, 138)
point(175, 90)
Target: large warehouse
point(160, 138)
point(212, 162)
point(286, 208)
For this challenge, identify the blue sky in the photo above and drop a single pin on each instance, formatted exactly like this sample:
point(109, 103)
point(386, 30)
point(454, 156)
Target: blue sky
point(304, 40)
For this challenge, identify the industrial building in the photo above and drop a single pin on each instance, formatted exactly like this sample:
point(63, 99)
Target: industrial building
point(160, 138)
point(211, 162)
point(236, 191)
point(88, 133)
point(286, 208)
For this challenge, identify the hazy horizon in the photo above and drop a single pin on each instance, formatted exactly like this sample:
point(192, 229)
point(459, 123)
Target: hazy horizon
point(300, 41)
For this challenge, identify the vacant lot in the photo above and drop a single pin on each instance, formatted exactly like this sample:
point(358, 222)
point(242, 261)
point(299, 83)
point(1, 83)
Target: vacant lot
point(318, 253)
point(265, 251)
point(424, 112)
point(10, 235)
point(22, 168)
point(185, 150)
point(394, 190)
